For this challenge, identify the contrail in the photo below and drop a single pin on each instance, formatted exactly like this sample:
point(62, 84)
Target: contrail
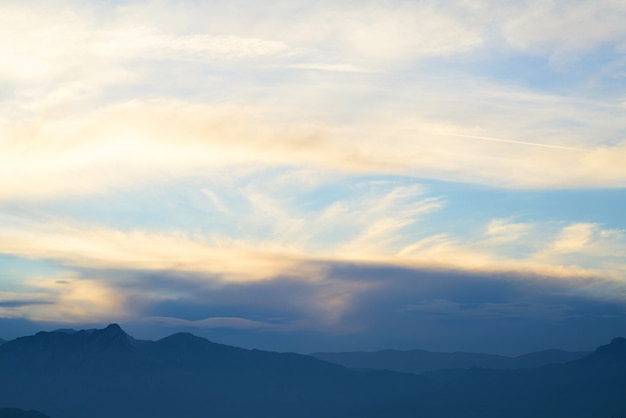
point(510, 141)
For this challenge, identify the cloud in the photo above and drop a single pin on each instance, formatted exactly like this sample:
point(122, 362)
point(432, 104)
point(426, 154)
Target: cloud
point(560, 27)
point(216, 322)
point(48, 42)
point(52, 44)
point(585, 243)
point(171, 281)
point(378, 31)
point(330, 67)
point(227, 261)
point(88, 110)
point(139, 141)
point(406, 31)
point(20, 303)
point(502, 230)
point(574, 238)
point(88, 299)
point(383, 305)
point(271, 231)
point(217, 203)
point(89, 247)
point(144, 43)
point(262, 146)
point(415, 304)
point(533, 144)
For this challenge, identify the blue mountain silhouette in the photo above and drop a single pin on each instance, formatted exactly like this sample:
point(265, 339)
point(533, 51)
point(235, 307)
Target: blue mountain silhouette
point(105, 373)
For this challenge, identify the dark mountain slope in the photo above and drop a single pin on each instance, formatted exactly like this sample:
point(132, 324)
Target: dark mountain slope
point(18, 413)
point(105, 373)
point(594, 386)
point(542, 358)
point(66, 351)
point(420, 361)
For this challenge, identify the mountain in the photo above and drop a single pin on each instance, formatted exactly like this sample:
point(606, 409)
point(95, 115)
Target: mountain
point(18, 413)
point(592, 386)
point(421, 361)
point(104, 373)
point(63, 351)
point(541, 358)
point(2, 341)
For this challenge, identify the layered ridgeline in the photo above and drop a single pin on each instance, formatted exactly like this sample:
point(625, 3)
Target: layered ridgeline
point(19, 413)
point(420, 361)
point(105, 373)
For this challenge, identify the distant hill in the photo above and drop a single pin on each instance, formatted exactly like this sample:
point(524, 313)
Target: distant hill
point(420, 361)
point(19, 413)
point(106, 373)
point(592, 386)
point(2, 341)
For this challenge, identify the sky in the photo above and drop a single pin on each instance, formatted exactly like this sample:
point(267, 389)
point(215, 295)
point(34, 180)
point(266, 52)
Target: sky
point(316, 175)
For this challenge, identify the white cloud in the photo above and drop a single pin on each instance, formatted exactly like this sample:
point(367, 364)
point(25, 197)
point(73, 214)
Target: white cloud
point(349, 68)
point(105, 97)
point(44, 43)
point(78, 91)
point(574, 238)
point(216, 201)
point(133, 43)
point(404, 31)
point(586, 244)
point(584, 254)
point(47, 43)
point(503, 230)
point(128, 144)
point(562, 27)
point(69, 298)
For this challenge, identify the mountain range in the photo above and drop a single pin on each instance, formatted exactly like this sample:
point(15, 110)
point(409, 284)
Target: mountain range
point(105, 373)
point(19, 413)
point(420, 361)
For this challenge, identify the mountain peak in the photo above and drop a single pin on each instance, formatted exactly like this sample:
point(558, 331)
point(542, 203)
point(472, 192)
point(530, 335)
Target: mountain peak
point(182, 336)
point(617, 345)
point(609, 355)
point(113, 328)
point(68, 331)
point(111, 336)
point(183, 339)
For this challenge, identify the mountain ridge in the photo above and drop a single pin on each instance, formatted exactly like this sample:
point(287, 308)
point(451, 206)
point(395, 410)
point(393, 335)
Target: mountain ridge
point(421, 361)
point(20, 413)
point(106, 372)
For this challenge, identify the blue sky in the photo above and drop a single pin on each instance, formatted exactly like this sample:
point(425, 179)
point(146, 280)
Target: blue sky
point(316, 175)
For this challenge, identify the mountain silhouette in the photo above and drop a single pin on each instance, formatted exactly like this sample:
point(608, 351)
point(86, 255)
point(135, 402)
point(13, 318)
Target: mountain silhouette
point(64, 351)
point(106, 372)
point(420, 361)
point(594, 385)
point(19, 413)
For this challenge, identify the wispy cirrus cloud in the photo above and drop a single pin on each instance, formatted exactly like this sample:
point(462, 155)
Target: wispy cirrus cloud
point(377, 237)
point(139, 141)
point(556, 26)
point(456, 127)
